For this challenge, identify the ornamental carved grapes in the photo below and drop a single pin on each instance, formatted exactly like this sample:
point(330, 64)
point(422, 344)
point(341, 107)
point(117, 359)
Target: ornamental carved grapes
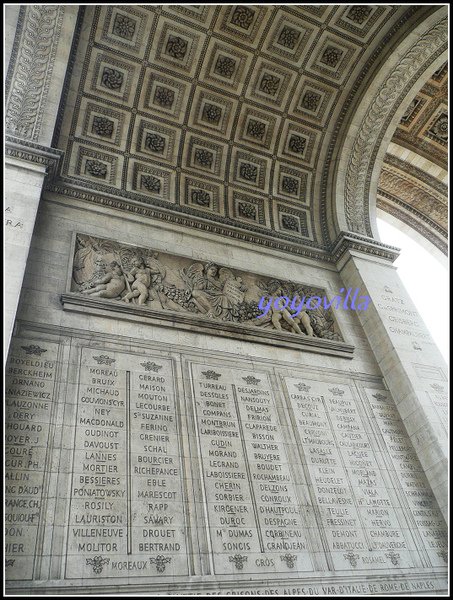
point(242, 17)
point(289, 222)
point(256, 129)
point(440, 128)
point(290, 185)
point(212, 113)
point(248, 171)
point(200, 197)
point(359, 14)
point(297, 144)
point(164, 97)
point(288, 37)
point(331, 56)
point(310, 100)
point(247, 210)
point(150, 183)
point(203, 157)
point(124, 27)
point(96, 168)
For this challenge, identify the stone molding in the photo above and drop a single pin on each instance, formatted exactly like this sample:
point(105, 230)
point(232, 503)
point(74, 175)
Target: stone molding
point(110, 308)
point(411, 193)
point(415, 197)
point(32, 62)
point(416, 220)
point(381, 110)
point(180, 215)
point(34, 153)
point(60, 188)
point(361, 243)
point(412, 171)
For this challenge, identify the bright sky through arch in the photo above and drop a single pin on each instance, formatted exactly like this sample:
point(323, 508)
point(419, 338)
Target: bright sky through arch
point(425, 279)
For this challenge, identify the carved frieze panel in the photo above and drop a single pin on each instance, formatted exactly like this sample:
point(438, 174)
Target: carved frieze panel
point(184, 290)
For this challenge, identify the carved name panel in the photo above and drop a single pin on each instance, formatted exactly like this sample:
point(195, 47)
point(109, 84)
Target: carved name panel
point(182, 469)
point(127, 515)
point(355, 501)
point(29, 405)
point(253, 510)
point(419, 499)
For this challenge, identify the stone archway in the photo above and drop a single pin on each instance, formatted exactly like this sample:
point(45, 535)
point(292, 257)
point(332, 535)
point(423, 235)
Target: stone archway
point(370, 130)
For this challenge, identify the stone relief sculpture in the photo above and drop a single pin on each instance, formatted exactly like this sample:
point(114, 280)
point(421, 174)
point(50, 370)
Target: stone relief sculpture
point(111, 285)
point(107, 269)
point(140, 277)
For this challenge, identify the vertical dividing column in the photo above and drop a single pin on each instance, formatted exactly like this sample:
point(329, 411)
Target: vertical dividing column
point(422, 505)
point(23, 184)
point(128, 463)
point(37, 70)
point(247, 468)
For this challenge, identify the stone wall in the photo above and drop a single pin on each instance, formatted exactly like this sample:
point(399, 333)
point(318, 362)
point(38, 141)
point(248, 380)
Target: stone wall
point(146, 457)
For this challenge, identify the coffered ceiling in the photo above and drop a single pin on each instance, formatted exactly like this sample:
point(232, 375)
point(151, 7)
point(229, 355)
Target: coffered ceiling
point(424, 126)
point(221, 117)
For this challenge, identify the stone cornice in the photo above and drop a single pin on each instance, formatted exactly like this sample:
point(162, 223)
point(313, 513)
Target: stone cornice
point(345, 240)
point(416, 172)
point(417, 221)
point(183, 216)
point(34, 153)
point(111, 309)
point(362, 243)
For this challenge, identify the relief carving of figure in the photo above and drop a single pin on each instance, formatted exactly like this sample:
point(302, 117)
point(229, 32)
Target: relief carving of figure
point(108, 269)
point(111, 285)
point(304, 320)
point(204, 285)
point(230, 296)
point(276, 316)
point(85, 259)
point(140, 279)
point(158, 273)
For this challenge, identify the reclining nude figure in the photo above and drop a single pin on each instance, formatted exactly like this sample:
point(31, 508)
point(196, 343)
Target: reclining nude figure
point(110, 285)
